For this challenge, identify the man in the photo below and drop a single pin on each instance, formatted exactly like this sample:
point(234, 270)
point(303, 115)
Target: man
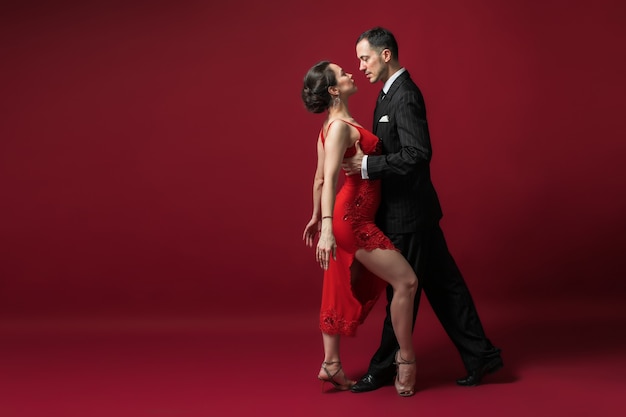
point(410, 212)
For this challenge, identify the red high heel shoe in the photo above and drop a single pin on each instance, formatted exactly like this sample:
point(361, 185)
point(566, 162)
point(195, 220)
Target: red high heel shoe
point(406, 388)
point(346, 385)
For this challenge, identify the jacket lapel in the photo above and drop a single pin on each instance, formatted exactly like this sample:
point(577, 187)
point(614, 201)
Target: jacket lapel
point(379, 111)
point(382, 108)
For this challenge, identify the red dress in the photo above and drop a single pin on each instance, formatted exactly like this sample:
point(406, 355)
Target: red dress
point(350, 291)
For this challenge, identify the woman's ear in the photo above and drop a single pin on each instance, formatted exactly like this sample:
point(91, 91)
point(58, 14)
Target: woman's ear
point(333, 90)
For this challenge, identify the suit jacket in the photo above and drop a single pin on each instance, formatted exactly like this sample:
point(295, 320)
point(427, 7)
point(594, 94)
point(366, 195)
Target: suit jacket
point(409, 201)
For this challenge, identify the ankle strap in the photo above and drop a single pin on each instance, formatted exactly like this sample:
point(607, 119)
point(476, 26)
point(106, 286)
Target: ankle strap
point(401, 360)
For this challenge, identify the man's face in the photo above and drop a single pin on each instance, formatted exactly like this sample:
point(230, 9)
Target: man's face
point(371, 62)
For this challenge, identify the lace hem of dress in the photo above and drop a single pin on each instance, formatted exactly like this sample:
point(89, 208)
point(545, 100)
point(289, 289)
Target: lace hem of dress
point(332, 323)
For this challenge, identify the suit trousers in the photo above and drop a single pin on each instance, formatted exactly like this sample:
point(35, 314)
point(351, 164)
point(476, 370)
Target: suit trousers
point(441, 280)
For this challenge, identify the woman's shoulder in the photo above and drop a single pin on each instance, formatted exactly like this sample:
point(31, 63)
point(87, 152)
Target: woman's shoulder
point(335, 126)
point(341, 124)
point(347, 129)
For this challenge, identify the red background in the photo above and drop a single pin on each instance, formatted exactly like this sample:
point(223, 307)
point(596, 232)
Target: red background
point(155, 158)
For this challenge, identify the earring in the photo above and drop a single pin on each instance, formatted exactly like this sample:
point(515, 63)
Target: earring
point(336, 101)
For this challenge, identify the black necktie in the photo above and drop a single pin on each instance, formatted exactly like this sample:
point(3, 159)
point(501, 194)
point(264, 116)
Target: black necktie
point(381, 97)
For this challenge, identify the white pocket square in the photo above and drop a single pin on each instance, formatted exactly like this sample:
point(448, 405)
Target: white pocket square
point(384, 119)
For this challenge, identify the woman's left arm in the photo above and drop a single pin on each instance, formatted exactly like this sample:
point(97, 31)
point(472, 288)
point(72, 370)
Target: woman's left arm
point(337, 141)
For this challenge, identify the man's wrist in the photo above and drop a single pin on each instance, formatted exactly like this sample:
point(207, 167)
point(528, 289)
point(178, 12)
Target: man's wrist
point(364, 174)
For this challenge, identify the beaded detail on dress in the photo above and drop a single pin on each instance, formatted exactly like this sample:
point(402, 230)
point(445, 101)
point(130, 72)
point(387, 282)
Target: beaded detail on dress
point(366, 234)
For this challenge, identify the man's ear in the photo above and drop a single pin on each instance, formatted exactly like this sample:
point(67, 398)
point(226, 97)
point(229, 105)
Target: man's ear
point(386, 55)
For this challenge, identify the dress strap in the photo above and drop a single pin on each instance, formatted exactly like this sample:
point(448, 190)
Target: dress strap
point(346, 122)
point(357, 127)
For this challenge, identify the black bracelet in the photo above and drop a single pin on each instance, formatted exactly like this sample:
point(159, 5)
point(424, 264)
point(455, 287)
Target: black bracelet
point(327, 217)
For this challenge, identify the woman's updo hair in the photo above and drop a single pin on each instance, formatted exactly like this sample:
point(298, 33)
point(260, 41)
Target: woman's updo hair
point(315, 90)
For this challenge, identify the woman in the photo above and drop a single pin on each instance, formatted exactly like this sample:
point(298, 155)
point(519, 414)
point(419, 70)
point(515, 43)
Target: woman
point(357, 258)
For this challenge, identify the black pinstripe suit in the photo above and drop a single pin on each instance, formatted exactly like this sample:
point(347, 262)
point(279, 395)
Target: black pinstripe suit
point(409, 214)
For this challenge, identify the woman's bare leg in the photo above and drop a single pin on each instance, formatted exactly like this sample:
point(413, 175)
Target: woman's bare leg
point(331, 347)
point(393, 268)
point(331, 367)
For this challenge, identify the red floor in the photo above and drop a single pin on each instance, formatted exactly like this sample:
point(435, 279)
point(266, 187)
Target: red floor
point(559, 361)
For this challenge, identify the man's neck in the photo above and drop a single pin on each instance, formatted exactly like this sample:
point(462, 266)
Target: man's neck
point(392, 70)
point(393, 74)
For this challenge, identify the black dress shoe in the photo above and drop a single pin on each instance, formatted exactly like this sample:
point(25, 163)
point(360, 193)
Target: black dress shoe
point(475, 377)
point(369, 383)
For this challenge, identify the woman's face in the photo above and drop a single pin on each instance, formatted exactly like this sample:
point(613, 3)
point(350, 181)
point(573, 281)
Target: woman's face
point(345, 83)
